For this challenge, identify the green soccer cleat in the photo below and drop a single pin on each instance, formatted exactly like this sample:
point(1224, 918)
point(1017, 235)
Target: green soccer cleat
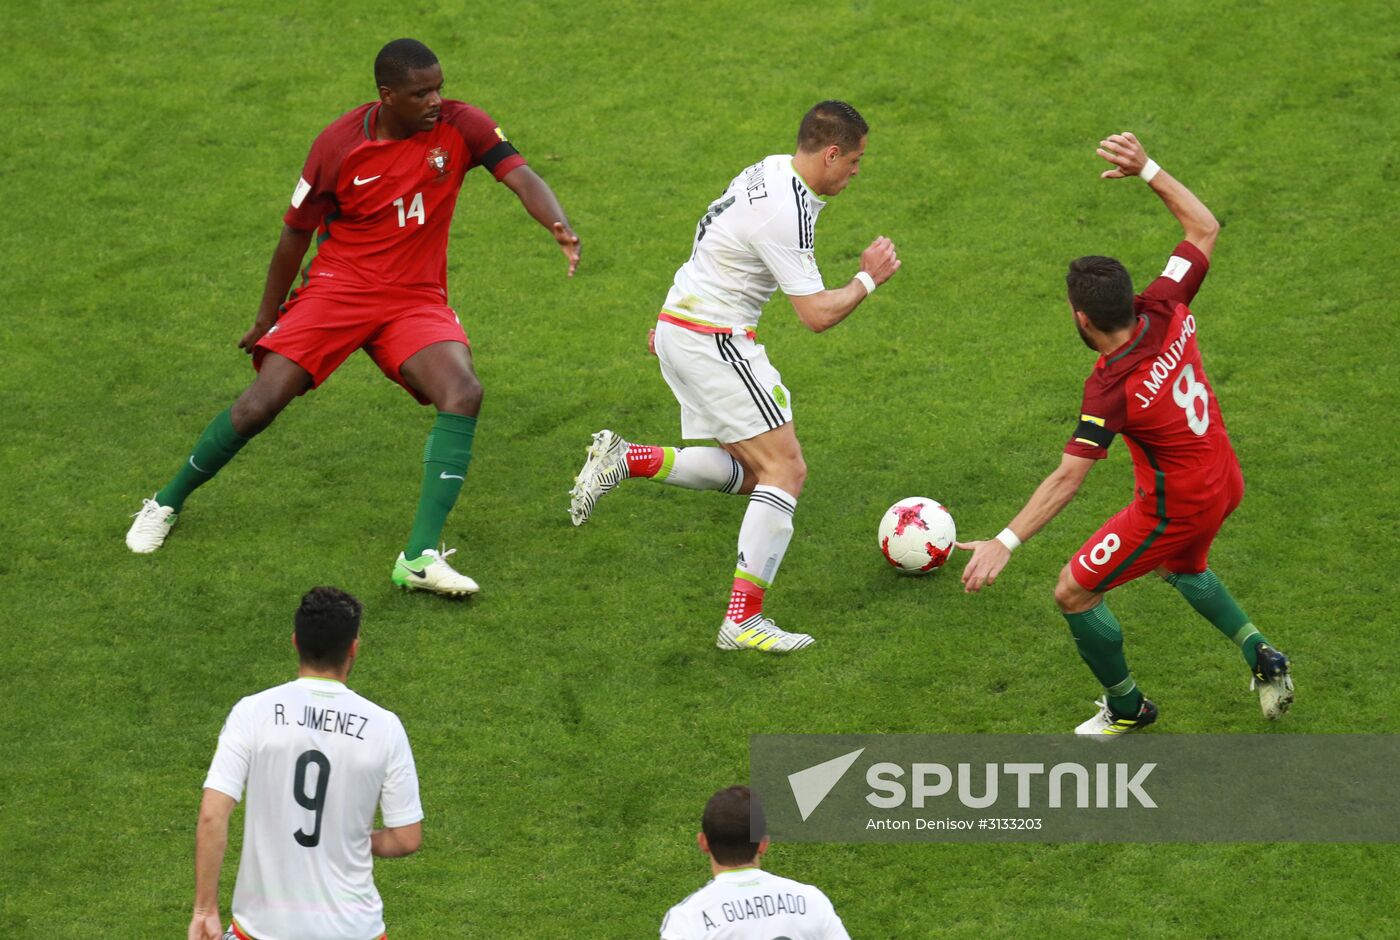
point(1273, 681)
point(759, 633)
point(1109, 723)
point(604, 468)
point(152, 524)
point(431, 572)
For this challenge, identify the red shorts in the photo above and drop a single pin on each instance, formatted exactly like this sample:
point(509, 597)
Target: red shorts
point(319, 329)
point(1134, 542)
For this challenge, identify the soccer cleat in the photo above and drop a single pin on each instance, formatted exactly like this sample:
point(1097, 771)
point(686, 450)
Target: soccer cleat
point(431, 572)
point(1273, 681)
point(1106, 722)
point(759, 633)
point(605, 468)
point(153, 523)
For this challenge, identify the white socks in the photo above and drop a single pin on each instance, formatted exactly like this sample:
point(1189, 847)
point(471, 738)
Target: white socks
point(765, 534)
point(705, 468)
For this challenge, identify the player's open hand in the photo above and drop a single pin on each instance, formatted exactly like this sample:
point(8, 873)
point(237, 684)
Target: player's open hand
point(880, 260)
point(568, 243)
point(987, 561)
point(1125, 153)
point(205, 925)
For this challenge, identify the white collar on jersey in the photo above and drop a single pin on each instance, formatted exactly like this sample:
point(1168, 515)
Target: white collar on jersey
point(321, 683)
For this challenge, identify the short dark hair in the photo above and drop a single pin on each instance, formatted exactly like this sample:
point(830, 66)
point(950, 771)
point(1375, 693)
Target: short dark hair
point(327, 622)
point(398, 58)
point(729, 816)
point(1102, 288)
point(831, 122)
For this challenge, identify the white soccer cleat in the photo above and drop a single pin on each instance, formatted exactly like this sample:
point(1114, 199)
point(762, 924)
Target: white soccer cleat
point(759, 633)
point(152, 524)
point(605, 468)
point(1108, 724)
point(431, 572)
point(1273, 681)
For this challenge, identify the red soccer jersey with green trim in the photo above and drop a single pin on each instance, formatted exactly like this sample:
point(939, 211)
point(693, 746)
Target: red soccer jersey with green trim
point(1153, 390)
point(384, 207)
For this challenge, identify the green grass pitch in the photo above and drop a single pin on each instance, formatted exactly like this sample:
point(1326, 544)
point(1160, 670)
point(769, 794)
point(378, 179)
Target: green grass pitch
point(570, 721)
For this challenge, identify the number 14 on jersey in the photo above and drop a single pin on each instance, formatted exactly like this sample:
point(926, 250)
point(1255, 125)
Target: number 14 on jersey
point(414, 211)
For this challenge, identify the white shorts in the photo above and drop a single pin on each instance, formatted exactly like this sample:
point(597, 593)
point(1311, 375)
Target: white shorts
point(727, 388)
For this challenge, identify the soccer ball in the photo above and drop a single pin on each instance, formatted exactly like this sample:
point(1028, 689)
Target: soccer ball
point(916, 535)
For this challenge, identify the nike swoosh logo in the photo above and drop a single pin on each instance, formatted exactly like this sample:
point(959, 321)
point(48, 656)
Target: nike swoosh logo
point(450, 476)
point(1087, 565)
point(361, 182)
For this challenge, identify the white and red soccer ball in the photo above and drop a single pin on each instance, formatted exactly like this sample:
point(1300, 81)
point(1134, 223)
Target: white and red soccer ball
point(916, 535)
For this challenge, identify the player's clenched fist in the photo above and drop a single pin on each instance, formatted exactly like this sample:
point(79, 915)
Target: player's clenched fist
point(880, 260)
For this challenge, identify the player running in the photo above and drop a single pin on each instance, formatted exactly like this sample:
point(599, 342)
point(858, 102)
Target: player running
point(1150, 386)
point(742, 901)
point(755, 238)
point(380, 184)
point(316, 760)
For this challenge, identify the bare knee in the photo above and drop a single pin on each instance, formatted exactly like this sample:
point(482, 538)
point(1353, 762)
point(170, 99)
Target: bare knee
point(462, 397)
point(787, 474)
point(255, 410)
point(1070, 597)
point(796, 475)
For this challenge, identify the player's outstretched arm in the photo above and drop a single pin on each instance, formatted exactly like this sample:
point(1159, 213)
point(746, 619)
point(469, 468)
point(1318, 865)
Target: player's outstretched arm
point(210, 840)
point(539, 200)
point(1130, 159)
point(824, 309)
point(281, 271)
point(1054, 493)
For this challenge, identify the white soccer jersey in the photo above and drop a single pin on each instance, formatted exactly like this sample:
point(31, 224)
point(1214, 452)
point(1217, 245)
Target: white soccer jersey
point(751, 904)
point(752, 240)
point(316, 759)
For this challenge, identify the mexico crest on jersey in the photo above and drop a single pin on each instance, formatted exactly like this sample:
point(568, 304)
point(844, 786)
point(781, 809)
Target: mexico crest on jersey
point(437, 161)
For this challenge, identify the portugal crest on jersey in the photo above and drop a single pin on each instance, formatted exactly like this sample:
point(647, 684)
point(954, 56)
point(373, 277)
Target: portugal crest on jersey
point(437, 161)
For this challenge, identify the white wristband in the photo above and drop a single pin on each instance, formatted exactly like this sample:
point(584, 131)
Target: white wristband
point(1149, 170)
point(1009, 539)
point(867, 281)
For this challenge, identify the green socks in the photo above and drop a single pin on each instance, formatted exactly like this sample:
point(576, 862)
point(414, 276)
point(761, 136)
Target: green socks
point(1100, 640)
point(445, 460)
point(216, 447)
point(1212, 601)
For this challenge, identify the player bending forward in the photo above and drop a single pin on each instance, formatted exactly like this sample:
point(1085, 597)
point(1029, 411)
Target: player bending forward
point(742, 901)
point(381, 183)
point(1150, 386)
point(755, 238)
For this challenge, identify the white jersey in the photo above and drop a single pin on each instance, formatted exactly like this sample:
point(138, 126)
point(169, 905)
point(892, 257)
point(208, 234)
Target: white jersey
point(753, 239)
point(751, 904)
point(317, 759)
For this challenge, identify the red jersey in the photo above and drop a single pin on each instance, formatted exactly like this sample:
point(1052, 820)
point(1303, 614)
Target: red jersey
point(384, 207)
point(1153, 390)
